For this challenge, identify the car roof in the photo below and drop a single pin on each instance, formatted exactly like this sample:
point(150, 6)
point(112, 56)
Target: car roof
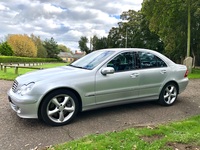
point(128, 49)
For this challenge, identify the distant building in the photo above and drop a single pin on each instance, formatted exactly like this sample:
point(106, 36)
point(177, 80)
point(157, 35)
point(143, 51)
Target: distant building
point(70, 57)
point(66, 56)
point(78, 55)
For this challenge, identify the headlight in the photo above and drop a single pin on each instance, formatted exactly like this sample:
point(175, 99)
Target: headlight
point(24, 89)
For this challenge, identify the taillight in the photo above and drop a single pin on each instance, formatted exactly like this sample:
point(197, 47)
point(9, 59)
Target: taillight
point(186, 73)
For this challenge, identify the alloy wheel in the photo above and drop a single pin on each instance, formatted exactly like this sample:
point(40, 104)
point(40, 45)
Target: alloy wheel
point(170, 94)
point(60, 108)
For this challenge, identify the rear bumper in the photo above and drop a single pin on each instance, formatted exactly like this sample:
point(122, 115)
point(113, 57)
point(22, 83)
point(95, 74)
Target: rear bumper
point(183, 84)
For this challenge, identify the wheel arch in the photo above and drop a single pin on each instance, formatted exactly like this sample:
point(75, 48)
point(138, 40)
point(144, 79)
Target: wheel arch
point(57, 89)
point(162, 100)
point(172, 81)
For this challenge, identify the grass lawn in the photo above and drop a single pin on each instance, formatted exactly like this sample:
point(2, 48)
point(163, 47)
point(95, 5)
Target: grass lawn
point(195, 74)
point(178, 135)
point(10, 73)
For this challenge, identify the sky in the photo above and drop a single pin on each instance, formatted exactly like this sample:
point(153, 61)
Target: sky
point(64, 20)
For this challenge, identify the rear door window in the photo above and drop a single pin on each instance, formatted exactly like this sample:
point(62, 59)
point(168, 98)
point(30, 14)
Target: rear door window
point(148, 60)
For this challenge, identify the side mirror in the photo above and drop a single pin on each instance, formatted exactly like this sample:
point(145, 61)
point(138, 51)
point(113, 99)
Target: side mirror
point(107, 70)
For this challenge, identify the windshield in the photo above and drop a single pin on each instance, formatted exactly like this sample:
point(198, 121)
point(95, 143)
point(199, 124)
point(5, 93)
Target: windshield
point(91, 60)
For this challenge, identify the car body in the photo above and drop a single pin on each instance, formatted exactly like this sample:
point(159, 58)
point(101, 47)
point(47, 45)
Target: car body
point(100, 79)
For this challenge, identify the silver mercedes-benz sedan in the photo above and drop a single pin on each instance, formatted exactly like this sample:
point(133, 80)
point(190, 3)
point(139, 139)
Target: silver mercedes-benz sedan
point(102, 78)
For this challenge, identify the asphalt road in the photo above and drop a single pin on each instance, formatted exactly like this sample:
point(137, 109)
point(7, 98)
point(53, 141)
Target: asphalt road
point(25, 134)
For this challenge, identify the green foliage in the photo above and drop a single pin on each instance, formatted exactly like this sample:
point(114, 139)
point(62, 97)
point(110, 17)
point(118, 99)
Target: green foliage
point(5, 49)
point(115, 38)
point(83, 44)
point(168, 19)
point(195, 74)
point(99, 43)
point(185, 132)
point(95, 44)
point(63, 48)
point(134, 31)
point(51, 47)
point(14, 59)
point(41, 51)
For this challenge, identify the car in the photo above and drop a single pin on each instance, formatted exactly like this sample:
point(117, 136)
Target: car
point(102, 78)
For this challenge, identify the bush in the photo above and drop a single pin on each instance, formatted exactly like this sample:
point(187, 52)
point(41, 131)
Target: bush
point(14, 59)
point(5, 49)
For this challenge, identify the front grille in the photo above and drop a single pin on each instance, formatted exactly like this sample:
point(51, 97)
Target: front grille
point(14, 86)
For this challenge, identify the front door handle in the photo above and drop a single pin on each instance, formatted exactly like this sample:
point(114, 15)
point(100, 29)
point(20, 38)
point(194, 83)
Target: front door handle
point(134, 75)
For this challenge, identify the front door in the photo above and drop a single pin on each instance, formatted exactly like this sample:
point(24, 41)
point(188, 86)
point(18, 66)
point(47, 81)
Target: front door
point(120, 86)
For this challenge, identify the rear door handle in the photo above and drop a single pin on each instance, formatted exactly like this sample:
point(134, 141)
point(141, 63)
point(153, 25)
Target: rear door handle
point(134, 75)
point(163, 71)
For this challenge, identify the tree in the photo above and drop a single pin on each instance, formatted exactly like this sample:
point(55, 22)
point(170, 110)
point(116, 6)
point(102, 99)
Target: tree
point(138, 33)
point(41, 51)
point(22, 45)
point(51, 47)
point(94, 43)
point(115, 39)
point(134, 31)
point(83, 44)
point(99, 43)
point(63, 48)
point(5, 49)
point(169, 19)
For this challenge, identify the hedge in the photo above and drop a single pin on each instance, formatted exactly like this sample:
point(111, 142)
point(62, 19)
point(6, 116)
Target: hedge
point(14, 59)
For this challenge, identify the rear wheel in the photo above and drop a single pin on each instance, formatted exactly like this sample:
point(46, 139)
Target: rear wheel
point(168, 94)
point(59, 107)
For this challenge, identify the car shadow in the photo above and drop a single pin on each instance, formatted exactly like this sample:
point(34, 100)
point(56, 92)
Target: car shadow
point(115, 110)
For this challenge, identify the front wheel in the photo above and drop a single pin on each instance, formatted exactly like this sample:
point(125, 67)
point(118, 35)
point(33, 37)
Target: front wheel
point(168, 94)
point(59, 107)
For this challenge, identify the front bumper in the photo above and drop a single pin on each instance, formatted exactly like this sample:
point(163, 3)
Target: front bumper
point(23, 108)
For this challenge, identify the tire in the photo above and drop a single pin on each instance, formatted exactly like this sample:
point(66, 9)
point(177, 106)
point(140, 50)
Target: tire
point(59, 107)
point(168, 94)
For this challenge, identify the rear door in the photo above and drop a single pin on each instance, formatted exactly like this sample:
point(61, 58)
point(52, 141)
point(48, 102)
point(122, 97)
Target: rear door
point(153, 72)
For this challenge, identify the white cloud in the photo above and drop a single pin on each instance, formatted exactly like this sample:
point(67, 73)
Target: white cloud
point(3, 8)
point(65, 21)
point(52, 9)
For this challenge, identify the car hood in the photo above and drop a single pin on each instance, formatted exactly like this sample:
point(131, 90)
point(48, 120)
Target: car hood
point(48, 74)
